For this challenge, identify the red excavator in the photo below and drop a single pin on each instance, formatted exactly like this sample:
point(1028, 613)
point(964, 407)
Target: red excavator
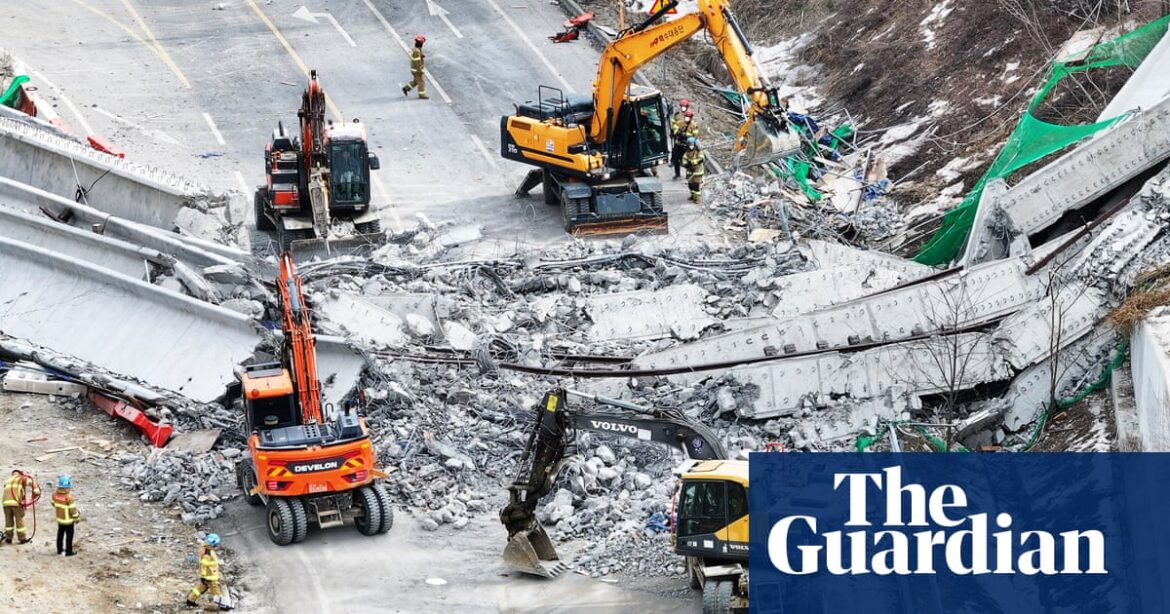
point(322, 175)
point(307, 463)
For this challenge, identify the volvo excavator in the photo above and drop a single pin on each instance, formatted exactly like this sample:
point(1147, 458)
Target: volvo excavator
point(709, 522)
point(596, 156)
point(307, 462)
point(315, 177)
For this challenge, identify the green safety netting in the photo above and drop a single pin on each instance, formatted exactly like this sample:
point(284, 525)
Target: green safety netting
point(12, 94)
point(1034, 139)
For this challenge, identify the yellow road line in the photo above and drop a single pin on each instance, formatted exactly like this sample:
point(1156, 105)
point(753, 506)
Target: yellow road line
point(110, 19)
point(162, 53)
point(296, 58)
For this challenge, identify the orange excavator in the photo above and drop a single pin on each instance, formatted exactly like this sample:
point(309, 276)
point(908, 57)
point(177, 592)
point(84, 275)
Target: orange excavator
point(307, 462)
point(321, 175)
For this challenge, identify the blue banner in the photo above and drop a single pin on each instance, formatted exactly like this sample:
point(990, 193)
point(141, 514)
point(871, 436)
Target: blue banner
point(958, 533)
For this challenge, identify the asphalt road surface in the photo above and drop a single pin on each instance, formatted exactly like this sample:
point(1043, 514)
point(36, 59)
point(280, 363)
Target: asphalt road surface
point(197, 89)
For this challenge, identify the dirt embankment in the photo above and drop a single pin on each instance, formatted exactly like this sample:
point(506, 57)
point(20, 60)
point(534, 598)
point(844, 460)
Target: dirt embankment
point(131, 555)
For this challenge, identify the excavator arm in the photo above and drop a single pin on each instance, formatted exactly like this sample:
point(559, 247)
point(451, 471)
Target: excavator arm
point(762, 135)
point(552, 442)
point(299, 345)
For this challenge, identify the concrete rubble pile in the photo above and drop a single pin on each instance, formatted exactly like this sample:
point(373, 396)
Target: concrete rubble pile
point(199, 484)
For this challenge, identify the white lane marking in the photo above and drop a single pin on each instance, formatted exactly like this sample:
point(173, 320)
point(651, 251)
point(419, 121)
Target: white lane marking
point(243, 184)
point(486, 154)
point(402, 43)
point(214, 130)
point(69, 103)
point(437, 11)
point(155, 134)
point(527, 41)
point(303, 13)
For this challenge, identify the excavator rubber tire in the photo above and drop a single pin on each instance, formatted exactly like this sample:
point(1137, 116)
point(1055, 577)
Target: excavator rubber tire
point(723, 594)
point(281, 523)
point(370, 521)
point(262, 221)
point(387, 505)
point(300, 520)
point(244, 470)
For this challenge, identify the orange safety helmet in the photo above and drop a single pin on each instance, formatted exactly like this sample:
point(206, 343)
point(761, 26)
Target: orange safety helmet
point(689, 114)
point(420, 39)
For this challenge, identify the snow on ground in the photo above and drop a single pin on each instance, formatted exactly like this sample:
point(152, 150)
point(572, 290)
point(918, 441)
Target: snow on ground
point(934, 20)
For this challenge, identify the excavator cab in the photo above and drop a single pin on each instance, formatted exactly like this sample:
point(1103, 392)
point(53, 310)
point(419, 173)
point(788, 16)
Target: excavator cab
point(711, 514)
point(268, 396)
point(641, 133)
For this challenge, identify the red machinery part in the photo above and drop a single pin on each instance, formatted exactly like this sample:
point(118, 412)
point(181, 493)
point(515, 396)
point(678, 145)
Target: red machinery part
point(158, 434)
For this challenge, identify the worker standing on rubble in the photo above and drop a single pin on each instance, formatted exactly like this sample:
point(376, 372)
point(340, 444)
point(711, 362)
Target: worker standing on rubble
point(20, 491)
point(417, 69)
point(65, 509)
point(695, 163)
point(208, 574)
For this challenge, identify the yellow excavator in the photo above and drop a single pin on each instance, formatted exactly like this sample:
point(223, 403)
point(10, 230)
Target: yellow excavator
point(596, 156)
point(709, 523)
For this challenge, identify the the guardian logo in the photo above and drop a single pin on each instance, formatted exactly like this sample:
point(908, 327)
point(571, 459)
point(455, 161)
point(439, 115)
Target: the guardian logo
point(925, 532)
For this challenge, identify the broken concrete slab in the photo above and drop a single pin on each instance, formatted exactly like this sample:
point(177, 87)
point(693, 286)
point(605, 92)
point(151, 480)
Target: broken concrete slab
point(339, 365)
point(649, 314)
point(194, 441)
point(351, 316)
point(430, 306)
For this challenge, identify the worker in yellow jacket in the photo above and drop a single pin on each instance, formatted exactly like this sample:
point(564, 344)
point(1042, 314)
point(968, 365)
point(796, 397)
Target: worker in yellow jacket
point(20, 491)
point(65, 510)
point(208, 574)
point(695, 163)
point(417, 69)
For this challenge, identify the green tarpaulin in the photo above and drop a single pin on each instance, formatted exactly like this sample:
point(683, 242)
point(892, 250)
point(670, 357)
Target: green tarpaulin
point(1034, 139)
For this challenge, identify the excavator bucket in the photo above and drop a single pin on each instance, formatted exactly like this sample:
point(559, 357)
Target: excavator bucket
point(532, 552)
point(766, 141)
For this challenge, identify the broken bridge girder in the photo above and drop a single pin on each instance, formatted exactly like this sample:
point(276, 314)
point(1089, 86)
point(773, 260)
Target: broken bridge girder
point(1095, 167)
point(121, 324)
point(106, 252)
point(35, 201)
point(37, 156)
point(958, 300)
